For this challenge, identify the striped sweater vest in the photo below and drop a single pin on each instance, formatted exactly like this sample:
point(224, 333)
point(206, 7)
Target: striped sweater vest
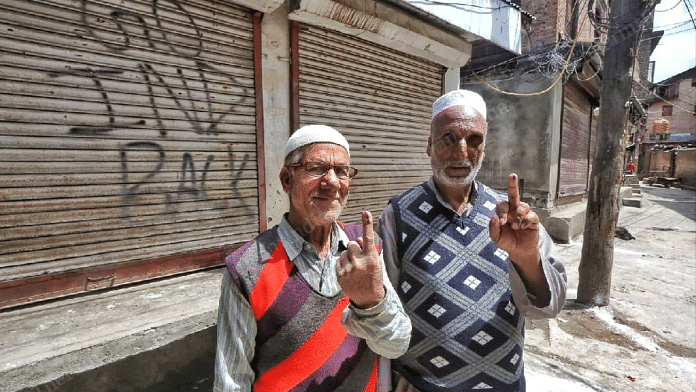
point(468, 335)
point(300, 342)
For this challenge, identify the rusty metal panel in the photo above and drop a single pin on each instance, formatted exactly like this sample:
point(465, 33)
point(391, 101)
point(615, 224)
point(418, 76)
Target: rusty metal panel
point(128, 133)
point(575, 142)
point(380, 99)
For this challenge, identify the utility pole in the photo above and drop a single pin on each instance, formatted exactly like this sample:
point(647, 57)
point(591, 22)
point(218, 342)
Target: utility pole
point(602, 213)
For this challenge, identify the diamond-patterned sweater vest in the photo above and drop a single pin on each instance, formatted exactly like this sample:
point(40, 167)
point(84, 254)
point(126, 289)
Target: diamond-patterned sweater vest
point(468, 335)
point(300, 342)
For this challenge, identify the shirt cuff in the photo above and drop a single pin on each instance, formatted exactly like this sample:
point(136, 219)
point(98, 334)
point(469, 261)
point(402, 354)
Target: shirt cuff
point(375, 310)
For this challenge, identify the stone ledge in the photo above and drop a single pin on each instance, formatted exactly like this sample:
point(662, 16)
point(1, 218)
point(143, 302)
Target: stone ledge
point(567, 222)
point(632, 202)
point(563, 225)
point(90, 336)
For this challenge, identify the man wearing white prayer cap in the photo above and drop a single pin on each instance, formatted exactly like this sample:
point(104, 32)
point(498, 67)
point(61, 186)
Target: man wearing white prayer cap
point(307, 305)
point(468, 262)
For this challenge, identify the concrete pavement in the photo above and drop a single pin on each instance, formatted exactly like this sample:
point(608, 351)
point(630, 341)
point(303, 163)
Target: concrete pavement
point(646, 339)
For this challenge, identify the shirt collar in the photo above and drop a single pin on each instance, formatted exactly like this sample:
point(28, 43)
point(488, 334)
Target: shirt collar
point(473, 196)
point(294, 243)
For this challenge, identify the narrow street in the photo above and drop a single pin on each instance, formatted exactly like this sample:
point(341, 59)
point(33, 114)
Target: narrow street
point(646, 339)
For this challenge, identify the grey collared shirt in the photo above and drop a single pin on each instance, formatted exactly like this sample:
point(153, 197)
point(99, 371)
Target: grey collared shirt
point(385, 327)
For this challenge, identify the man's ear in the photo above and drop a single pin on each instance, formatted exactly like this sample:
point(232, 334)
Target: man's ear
point(285, 178)
point(430, 145)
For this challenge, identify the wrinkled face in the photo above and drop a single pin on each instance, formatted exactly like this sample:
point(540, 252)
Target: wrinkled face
point(316, 201)
point(455, 146)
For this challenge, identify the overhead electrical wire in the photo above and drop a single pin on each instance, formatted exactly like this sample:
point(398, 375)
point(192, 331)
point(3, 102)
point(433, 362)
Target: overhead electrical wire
point(688, 9)
point(666, 101)
point(669, 9)
point(546, 60)
point(555, 82)
point(459, 5)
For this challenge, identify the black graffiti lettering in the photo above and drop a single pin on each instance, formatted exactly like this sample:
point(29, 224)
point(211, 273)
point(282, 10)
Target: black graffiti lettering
point(119, 41)
point(176, 94)
point(186, 43)
point(151, 94)
point(189, 183)
point(236, 174)
point(189, 112)
point(130, 187)
point(95, 76)
point(203, 69)
point(186, 104)
point(191, 44)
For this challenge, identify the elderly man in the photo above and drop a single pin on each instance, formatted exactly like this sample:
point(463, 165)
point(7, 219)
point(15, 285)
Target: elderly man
point(307, 305)
point(467, 263)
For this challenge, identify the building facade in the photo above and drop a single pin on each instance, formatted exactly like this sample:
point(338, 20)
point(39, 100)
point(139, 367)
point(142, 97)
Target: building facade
point(672, 108)
point(545, 103)
point(140, 138)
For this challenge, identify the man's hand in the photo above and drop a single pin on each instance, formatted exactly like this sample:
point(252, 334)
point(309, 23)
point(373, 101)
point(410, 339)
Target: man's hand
point(515, 229)
point(359, 269)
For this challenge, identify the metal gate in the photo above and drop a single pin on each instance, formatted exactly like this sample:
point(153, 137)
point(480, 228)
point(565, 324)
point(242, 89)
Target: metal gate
point(127, 141)
point(380, 99)
point(575, 142)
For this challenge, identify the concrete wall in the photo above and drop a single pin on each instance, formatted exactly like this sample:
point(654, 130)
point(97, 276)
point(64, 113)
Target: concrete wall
point(275, 37)
point(494, 20)
point(660, 163)
point(685, 167)
point(523, 137)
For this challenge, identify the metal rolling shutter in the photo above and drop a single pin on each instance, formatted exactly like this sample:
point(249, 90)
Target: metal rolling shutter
point(381, 100)
point(127, 132)
point(575, 142)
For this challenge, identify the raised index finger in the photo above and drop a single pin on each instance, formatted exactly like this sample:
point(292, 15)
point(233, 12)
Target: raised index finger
point(513, 192)
point(368, 231)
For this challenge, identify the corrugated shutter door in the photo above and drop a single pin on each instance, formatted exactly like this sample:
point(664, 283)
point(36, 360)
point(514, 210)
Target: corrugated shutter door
point(127, 132)
point(575, 142)
point(381, 100)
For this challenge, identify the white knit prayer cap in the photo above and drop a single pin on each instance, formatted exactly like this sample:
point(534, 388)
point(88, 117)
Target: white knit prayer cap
point(460, 98)
point(310, 134)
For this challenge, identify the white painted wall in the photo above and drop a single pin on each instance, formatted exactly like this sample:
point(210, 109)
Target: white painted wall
point(492, 20)
point(275, 41)
point(452, 77)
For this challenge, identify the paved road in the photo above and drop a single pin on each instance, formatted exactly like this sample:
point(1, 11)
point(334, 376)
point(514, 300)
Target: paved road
point(646, 339)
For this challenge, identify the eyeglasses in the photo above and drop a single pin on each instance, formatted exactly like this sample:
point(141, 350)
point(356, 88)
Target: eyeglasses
point(318, 169)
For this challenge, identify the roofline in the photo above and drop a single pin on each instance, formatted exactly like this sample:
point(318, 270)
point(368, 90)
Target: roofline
point(519, 8)
point(469, 36)
point(680, 76)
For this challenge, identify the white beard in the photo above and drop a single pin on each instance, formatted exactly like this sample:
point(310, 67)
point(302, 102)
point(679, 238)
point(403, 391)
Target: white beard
point(442, 177)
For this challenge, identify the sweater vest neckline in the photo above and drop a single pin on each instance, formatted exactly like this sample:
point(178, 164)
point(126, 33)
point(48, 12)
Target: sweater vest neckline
point(454, 284)
point(301, 344)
